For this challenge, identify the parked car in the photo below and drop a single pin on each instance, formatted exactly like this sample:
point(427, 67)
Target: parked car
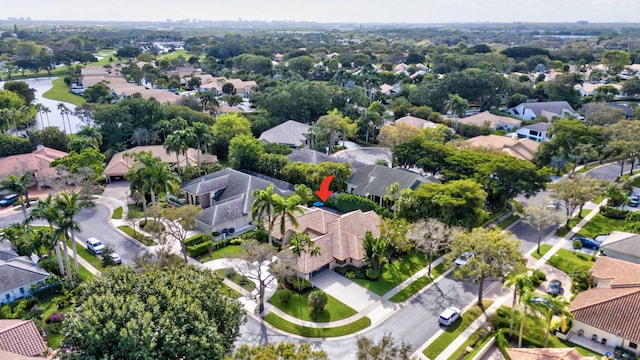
point(464, 258)
point(587, 242)
point(115, 258)
point(9, 199)
point(634, 200)
point(449, 315)
point(95, 246)
point(554, 287)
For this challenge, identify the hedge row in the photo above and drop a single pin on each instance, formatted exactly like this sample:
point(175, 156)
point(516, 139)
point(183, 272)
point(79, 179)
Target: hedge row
point(198, 239)
point(203, 247)
point(349, 202)
point(614, 213)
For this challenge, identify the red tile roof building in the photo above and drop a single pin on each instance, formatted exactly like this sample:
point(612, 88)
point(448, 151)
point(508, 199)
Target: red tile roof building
point(20, 337)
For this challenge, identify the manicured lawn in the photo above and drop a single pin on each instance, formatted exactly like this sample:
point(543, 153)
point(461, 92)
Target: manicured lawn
point(104, 54)
point(395, 273)
point(418, 285)
point(298, 307)
point(50, 307)
point(470, 341)
point(134, 211)
point(117, 213)
point(95, 261)
point(230, 292)
point(239, 279)
point(507, 222)
point(454, 330)
point(543, 250)
point(136, 235)
point(231, 251)
point(601, 225)
point(351, 328)
point(569, 262)
point(60, 92)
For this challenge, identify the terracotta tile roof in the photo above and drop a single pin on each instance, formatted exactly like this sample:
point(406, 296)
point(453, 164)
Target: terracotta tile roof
point(546, 354)
point(415, 121)
point(6, 355)
point(339, 237)
point(386, 88)
point(616, 311)
point(119, 164)
point(523, 149)
point(38, 162)
point(621, 273)
point(21, 337)
point(487, 117)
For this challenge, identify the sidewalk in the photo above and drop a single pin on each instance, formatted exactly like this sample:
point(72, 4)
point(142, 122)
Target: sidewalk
point(460, 340)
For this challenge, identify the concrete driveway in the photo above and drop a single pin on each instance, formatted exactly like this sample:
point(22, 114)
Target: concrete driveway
point(345, 290)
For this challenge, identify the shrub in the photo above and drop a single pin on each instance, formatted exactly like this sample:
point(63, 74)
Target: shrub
point(285, 296)
point(350, 275)
point(580, 279)
point(537, 277)
point(152, 226)
point(613, 213)
point(199, 249)
point(236, 242)
point(349, 202)
point(194, 240)
point(317, 300)
point(229, 273)
point(55, 318)
point(373, 274)
point(50, 264)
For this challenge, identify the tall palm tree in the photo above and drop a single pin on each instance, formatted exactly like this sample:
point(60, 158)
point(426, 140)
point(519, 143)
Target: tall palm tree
point(548, 307)
point(141, 136)
point(286, 209)
point(264, 205)
point(458, 106)
point(521, 283)
point(203, 136)
point(526, 298)
point(163, 180)
point(69, 206)
point(91, 132)
point(64, 111)
point(162, 127)
point(178, 142)
point(209, 101)
point(301, 243)
point(46, 211)
point(19, 185)
point(46, 111)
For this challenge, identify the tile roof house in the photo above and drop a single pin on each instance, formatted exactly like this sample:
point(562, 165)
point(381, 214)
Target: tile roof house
point(622, 245)
point(20, 339)
point(523, 149)
point(226, 197)
point(316, 157)
point(546, 354)
point(372, 181)
point(530, 111)
point(340, 238)
point(18, 274)
point(242, 88)
point(291, 133)
point(416, 121)
point(494, 122)
point(536, 132)
point(120, 164)
point(609, 314)
point(38, 162)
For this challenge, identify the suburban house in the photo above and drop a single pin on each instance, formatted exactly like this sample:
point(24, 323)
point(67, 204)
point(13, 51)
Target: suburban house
point(386, 89)
point(215, 84)
point(20, 340)
point(546, 354)
point(609, 313)
point(291, 133)
point(623, 246)
point(120, 163)
point(372, 181)
point(18, 274)
point(586, 89)
point(523, 149)
point(536, 132)
point(530, 111)
point(492, 121)
point(416, 121)
point(37, 162)
point(340, 238)
point(316, 157)
point(226, 197)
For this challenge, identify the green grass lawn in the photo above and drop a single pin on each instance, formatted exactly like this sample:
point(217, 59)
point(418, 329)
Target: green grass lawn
point(601, 225)
point(470, 341)
point(507, 222)
point(136, 235)
point(395, 273)
point(283, 324)
point(134, 211)
point(569, 262)
point(50, 307)
point(230, 292)
point(418, 285)
point(544, 248)
point(562, 231)
point(298, 307)
point(454, 330)
point(105, 54)
point(60, 92)
point(231, 251)
point(95, 261)
point(239, 279)
point(117, 213)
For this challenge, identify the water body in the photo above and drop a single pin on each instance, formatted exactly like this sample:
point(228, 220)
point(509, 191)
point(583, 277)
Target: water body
point(54, 118)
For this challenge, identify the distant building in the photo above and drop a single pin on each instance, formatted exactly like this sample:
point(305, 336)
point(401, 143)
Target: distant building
point(492, 121)
point(549, 109)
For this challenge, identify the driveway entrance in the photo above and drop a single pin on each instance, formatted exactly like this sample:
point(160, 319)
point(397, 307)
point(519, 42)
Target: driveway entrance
point(345, 290)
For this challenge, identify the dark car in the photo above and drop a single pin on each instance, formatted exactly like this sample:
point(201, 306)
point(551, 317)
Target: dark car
point(554, 287)
point(9, 199)
point(587, 242)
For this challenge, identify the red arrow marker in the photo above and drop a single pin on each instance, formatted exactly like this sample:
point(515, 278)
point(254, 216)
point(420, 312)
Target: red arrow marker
point(324, 191)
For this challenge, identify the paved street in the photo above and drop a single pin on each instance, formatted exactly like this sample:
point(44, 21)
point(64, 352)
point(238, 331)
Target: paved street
point(608, 171)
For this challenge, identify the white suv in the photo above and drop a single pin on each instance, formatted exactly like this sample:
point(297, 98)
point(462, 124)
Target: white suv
point(95, 246)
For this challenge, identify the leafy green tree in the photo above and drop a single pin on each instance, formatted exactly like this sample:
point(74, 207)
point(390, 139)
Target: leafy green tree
point(562, 88)
point(317, 301)
point(574, 192)
point(301, 65)
point(98, 93)
point(245, 152)
point(496, 256)
point(178, 221)
point(88, 158)
point(227, 127)
point(376, 251)
point(431, 236)
point(209, 101)
point(19, 185)
point(541, 214)
point(22, 89)
point(615, 60)
point(384, 349)
point(280, 351)
point(631, 87)
point(154, 314)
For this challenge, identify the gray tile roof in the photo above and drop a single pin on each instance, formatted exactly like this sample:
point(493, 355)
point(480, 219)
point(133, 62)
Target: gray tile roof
point(6, 250)
point(17, 272)
point(290, 132)
point(208, 185)
point(315, 157)
point(555, 107)
point(375, 179)
point(623, 242)
point(541, 126)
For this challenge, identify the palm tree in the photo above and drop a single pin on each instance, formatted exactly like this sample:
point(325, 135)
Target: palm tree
point(162, 127)
point(46, 211)
point(549, 306)
point(46, 111)
point(19, 185)
point(458, 106)
point(64, 110)
point(521, 283)
point(203, 135)
point(209, 101)
point(286, 209)
point(264, 205)
point(92, 133)
point(525, 299)
point(163, 180)
point(302, 243)
point(141, 136)
point(69, 206)
point(178, 142)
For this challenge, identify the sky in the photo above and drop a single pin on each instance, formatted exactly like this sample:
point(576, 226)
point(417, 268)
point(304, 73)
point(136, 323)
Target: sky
point(359, 11)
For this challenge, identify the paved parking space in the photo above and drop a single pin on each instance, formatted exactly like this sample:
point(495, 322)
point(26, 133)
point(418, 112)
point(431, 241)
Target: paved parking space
point(345, 290)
